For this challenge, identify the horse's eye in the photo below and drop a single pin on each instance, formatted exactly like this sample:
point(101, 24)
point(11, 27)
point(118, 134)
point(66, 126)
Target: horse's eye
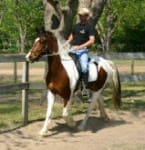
point(43, 41)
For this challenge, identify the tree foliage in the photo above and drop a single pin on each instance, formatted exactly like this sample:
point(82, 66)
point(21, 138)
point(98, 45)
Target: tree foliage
point(130, 32)
point(18, 23)
point(121, 26)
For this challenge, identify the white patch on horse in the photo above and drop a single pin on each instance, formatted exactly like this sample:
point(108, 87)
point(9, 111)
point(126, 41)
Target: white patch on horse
point(37, 39)
point(68, 64)
point(50, 103)
point(93, 74)
point(72, 72)
point(107, 65)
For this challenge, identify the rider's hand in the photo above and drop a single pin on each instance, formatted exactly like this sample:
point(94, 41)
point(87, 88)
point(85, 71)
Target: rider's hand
point(76, 47)
point(66, 45)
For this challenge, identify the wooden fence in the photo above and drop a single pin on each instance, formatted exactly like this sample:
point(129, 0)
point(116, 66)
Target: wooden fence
point(128, 56)
point(25, 85)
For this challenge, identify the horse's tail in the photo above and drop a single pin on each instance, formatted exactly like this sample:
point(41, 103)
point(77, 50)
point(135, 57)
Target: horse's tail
point(116, 86)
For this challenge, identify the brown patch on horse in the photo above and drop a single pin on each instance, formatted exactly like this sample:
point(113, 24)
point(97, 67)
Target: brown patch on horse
point(99, 83)
point(57, 79)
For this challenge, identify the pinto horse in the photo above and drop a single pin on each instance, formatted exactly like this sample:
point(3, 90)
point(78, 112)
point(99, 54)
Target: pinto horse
point(62, 78)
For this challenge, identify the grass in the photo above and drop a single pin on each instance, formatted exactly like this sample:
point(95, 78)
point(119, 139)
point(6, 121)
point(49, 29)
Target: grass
point(10, 115)
point(133, 98)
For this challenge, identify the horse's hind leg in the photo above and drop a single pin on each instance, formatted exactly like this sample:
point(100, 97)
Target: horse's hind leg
point(95, 96)
point(100, 103)
point(67, 117)
point(50, 103)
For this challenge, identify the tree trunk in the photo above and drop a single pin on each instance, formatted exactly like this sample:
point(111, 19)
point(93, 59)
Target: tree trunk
point(22, 40)
point(105, 32)
point(1, 17)
point(108, 34)
point(65, 15)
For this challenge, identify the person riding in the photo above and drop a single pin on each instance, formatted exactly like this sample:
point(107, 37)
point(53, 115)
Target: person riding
point(81, 38)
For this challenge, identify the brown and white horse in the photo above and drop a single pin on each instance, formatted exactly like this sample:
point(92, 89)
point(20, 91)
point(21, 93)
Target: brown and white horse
point(62, 78)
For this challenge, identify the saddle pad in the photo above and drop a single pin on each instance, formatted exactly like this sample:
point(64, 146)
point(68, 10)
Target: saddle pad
point(93, 73)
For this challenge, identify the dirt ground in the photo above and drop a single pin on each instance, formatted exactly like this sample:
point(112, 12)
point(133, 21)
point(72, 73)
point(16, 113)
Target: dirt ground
point(124, 131)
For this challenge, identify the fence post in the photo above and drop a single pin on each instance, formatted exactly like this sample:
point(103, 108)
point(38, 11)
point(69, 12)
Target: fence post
point(15, 71)
point(132, 66)
point(25, 79)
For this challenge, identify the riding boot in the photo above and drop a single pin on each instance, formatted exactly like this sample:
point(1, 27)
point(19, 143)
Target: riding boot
point(85, 92)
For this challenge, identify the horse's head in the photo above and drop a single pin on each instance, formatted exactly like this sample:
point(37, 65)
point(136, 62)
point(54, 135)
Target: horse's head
point(45, 43)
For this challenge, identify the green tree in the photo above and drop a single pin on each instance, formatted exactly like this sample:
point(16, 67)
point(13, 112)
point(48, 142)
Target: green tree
point(129, 35)
point(109, 22)
point(19, 22)
point(121, 26)
point(66, 14)
point(26, 13)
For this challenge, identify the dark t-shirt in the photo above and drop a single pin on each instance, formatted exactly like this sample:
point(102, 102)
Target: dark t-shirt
point(81, 33)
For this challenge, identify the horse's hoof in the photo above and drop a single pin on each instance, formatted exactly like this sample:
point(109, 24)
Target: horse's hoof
point(105, 118)
point(72, 124)
point(81, 128)
point(43, 134)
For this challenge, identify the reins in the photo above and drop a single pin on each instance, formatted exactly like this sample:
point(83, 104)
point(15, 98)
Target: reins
point(53, 54)
point(58, 53)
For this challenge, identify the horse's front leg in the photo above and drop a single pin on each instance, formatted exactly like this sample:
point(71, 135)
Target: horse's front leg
point(50, 103)
point(67, 117)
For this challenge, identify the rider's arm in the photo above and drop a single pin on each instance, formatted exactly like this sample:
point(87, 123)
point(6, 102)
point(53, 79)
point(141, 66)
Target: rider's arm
point(70, 38)
point(90, 42)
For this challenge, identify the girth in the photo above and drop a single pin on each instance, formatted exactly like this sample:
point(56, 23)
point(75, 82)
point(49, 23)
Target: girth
point(77, 62)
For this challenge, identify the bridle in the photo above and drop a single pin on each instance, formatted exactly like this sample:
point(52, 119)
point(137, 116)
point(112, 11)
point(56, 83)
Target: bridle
point(53, 54)
point(45, 50)
point(57, 54)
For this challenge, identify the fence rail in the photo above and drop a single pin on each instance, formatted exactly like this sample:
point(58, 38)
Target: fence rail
point(25, 85)
point(124, 56)
point(7, 58)
point(13, 87)
point(113, 56)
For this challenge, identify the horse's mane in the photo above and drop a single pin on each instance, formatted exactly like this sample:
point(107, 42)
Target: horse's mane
point(42, 31)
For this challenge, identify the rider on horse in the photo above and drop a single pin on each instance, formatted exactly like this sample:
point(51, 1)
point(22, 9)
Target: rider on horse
point(81, 38)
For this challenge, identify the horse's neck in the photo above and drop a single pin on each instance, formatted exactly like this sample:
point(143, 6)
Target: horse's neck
point(54, 63)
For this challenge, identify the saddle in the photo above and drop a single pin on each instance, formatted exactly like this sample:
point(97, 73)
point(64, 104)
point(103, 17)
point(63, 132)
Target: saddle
point(78, 65)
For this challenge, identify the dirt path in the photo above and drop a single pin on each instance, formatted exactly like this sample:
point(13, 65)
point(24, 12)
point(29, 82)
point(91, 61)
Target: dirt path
point(124, 131)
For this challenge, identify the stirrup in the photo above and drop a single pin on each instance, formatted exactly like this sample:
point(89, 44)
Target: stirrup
point(85, 92)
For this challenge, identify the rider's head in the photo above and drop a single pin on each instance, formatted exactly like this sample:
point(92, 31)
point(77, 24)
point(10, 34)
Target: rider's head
point(84, 14)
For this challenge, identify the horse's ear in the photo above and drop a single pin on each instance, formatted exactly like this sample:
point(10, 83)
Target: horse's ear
point(40, 30)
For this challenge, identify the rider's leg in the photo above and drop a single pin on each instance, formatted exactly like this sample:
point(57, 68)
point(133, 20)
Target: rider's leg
point(83, 58)
point(84, 66)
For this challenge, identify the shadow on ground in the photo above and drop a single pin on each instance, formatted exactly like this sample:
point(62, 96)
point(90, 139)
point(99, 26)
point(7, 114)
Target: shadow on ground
point(94, 124)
